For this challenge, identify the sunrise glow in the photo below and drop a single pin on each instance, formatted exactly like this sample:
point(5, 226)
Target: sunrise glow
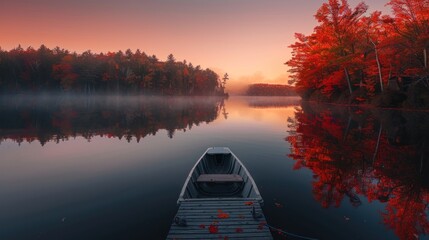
point(247, 39)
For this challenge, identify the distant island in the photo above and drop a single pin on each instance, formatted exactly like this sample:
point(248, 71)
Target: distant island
point(53, 70)
point(354, 57)
point(265, 89)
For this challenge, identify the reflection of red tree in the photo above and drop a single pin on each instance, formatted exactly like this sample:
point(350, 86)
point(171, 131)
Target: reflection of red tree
point(352, 159)
point(400, 184)
point(406, 213)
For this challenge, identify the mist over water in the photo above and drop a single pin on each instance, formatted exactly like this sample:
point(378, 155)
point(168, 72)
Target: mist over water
point(48, 99)
point(46, 118)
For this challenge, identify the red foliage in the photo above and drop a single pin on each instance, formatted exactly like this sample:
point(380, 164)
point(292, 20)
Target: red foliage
point(350, 50)
point(213, 228)
point(222, 214)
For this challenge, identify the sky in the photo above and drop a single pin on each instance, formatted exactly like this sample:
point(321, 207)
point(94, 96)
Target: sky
point(248, 39)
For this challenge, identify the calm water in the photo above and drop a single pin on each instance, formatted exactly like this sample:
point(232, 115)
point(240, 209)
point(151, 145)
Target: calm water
point(112, 168)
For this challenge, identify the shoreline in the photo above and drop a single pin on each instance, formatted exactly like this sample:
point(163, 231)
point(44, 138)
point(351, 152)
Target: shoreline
point(369, 106)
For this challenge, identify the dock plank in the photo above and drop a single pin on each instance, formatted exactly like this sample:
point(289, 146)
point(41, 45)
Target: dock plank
point(230, 218)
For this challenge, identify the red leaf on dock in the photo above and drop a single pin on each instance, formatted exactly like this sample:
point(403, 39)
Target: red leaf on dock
point(248, 203)
point(222, 214)
point(261, 225)
point(213, 229)
point(238, 230)
point(202, 226)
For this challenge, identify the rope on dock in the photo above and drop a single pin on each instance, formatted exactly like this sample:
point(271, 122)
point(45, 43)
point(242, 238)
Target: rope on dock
point(290, 234)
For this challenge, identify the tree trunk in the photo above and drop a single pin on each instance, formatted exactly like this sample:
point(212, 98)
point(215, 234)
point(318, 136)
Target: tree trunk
point(377, 145)
point(346, 132)
point(390, 71)
point(348, 80)
point(422, 158)
point(378, 65)
point(425, 58)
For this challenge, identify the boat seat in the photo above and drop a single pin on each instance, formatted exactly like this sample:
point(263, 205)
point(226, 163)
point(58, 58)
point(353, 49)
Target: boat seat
point(219, 178)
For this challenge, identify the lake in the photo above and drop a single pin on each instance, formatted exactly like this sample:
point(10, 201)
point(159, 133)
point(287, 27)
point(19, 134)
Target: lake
point(113, 167)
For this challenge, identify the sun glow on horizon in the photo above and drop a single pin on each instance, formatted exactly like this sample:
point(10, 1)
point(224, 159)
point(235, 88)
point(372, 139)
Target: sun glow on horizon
point(247, 39)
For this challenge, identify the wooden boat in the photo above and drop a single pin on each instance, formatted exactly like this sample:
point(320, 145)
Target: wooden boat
point(219, 199)
point(219, 174)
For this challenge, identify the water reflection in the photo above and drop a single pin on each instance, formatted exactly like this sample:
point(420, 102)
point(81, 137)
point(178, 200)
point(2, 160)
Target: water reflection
point(379, 155)
point(371, 164)
point(272, 102)
point(58, 119)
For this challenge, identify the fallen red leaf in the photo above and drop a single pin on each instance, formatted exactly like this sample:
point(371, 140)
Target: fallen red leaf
point(202, 226)
point(261, 225)
point(238, 230)
point(213, 229)
point(222, 214)
point(248, 203)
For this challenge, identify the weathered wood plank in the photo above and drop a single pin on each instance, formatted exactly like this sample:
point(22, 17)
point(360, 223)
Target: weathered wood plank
point(223, 226)
point(224, 222)
point(217, 237)
point(215, 209)
point(231, 204)
point(246, 212)
point(219, 200)
point(229, 238)
point(215, 218)
point(219, 178)
point(209, 235)
point(222, 230)
point(219, 205)
point(233, 219)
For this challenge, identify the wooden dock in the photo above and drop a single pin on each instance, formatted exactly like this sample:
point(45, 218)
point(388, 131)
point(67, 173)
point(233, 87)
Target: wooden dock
point(220, 219)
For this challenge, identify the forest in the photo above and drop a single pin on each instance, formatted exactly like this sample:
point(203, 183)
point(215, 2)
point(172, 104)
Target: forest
point(53, 70)
point(264, 89)
point(356, 57)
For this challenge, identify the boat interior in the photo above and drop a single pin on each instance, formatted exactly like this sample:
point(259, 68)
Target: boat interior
point(219, 174)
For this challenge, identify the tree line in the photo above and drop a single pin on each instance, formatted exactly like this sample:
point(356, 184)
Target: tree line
point(357, 56)
point(44, 69)
point(265, 89)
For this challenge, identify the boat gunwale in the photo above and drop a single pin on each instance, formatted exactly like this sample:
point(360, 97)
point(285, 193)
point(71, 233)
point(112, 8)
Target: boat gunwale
point(250, 178)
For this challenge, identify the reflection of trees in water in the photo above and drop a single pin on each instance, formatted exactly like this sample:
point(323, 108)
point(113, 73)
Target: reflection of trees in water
point(273, 102)
point(53, 120)
point(382, 155)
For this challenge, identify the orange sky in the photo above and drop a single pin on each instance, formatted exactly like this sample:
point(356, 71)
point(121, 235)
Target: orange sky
point(249, 39)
